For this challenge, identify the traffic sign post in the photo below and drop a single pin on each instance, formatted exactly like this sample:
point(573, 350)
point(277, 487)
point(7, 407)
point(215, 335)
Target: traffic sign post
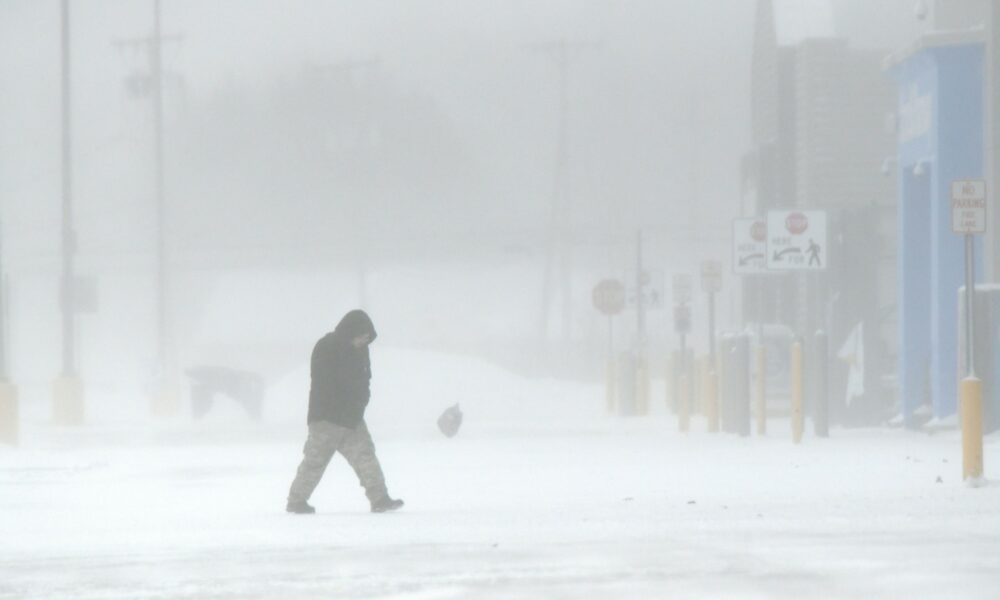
point(968, 218)
point(648, 289)
point(682, 288)
point(711, 283)
point(682, 321)
point(682, 325)
point(750, 258)
point(609, 298)
point(682, 313)
point(796, 240)
point(749, 246)
point(711, 276)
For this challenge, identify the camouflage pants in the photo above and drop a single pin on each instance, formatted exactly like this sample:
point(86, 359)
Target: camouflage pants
point(356, 445)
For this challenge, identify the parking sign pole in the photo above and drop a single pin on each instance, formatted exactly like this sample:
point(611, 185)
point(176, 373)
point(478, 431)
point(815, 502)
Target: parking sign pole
point(971, 388)
point(968, 204)
point(711, 329)
point(970, 304)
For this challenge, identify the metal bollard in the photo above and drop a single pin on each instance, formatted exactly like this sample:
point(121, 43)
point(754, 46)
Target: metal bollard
point(796, 391)
point(739, 368)
point(711, 398)
point(642, 385)
point(761, 388)
point(9, 414)
point(701, 367)
point(723, 396)
point(734, 382)
point(609, 373)
point(820, 373)
point(67, 406)
point(689, 372)
point(971, 398)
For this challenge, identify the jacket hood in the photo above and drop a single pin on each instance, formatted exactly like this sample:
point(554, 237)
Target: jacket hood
point(355, 323)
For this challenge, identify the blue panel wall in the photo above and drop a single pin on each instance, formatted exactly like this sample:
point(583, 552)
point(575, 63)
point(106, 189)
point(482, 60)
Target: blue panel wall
point(914, 284)
point(959, 156)
point(941, 108)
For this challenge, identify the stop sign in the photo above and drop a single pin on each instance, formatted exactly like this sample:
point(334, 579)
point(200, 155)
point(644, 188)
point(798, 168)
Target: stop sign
point(609, 297)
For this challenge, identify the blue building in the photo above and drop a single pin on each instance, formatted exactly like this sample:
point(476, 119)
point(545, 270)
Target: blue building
point(941, 134)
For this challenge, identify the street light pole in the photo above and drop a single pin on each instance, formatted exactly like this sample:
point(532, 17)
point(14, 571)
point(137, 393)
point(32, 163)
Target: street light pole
point(156, 76)
point(66, 285)
point(164, 400)
point(68, 392)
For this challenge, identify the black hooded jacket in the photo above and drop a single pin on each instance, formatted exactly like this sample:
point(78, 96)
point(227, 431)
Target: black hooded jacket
point(341, 373)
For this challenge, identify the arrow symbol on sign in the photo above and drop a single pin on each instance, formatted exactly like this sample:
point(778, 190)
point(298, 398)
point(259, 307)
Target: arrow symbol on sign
point(779, 255)
point(748, 258)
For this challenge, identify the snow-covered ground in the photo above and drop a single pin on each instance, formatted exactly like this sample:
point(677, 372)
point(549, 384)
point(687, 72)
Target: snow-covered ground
point(541, 495)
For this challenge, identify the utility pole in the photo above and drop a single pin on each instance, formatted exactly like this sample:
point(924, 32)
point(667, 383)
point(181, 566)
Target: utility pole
point(993, 136)
point(641, 361)
point(156, 74)
point(66, 289)
point(68, 389)
point(165, 400)
point(559, 246)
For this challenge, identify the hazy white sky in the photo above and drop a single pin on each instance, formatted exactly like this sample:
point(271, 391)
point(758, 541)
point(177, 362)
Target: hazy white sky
point(659, 109)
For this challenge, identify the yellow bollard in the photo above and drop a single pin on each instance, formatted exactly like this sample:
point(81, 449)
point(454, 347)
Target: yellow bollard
point(67, 405)
point(9, 414)
point(697, 384)
point(720, 387)
point(692, 384)
point(796, 368)
point(683, 406)
point(165, 403)
point(712, 399)
point(609, 391)
point(761, 389)
point(971, 398)
point(703, 370)
point(670, 379)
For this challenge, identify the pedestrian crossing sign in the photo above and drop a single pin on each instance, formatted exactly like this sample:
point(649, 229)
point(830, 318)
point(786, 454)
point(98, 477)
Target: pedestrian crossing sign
point(796, 240)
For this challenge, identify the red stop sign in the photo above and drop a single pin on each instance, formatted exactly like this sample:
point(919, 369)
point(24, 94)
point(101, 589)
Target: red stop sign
point(796, 223)
point(609, 297)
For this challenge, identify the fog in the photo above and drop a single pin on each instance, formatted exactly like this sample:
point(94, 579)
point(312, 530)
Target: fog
point(466, 172)
point(312, 135)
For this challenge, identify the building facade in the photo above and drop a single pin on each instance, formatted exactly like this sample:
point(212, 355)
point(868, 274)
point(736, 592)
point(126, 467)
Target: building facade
point(820, 136)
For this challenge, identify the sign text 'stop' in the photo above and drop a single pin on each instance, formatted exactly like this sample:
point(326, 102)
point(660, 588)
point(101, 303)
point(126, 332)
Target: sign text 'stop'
point(609, 297)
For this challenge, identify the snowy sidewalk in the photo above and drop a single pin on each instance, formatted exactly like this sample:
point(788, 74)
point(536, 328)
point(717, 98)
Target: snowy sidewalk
point(604, 507)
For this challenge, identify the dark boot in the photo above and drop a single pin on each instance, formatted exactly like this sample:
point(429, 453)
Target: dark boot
point(385, 504)
point(300, 508)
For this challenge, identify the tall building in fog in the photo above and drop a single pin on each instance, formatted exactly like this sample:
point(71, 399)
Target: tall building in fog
point(820, 136)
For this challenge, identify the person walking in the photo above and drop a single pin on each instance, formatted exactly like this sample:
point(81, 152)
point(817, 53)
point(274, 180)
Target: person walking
point(340, 370)
point(813, 252)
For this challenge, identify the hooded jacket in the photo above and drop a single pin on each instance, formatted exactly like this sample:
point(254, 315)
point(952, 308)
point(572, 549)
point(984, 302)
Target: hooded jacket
point(341, 374)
